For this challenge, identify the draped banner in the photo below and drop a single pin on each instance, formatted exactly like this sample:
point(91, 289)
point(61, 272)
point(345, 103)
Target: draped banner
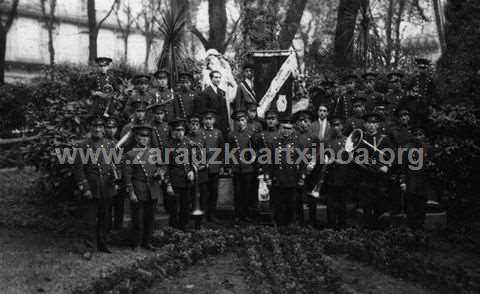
point(273, 69)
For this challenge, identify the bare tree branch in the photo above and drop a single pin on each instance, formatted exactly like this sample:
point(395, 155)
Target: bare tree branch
point(232, 34)
point(200, 36)
point(100, 23)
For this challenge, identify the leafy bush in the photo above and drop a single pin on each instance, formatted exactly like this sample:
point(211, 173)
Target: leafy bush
point(454, 157)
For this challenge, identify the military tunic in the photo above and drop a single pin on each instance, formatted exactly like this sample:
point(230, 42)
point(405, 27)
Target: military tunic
point(243, 171)
point(98, 178)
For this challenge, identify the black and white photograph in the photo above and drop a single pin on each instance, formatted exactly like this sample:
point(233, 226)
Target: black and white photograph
point(239, 146)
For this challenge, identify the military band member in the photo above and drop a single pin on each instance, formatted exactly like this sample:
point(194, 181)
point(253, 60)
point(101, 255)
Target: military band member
point(395, 92)
point(343, 102)
point(329, 96)
point(338, 176)
point(356, 120)
point(242, 169)
point(117, 209)
point(185, 96)
point(195, 133)
point(401, 130)
point(163, 94)
point(142, 180)
point(141, 91)
point(307, 142)
point(413, 183)
point(103, 85)
point(246, 93)
point(254, 123)
point(214, 140)
point(127, 139)
point(285, 175)
point(265, 138)
point(374, 174)
point(180, 174)
point(370, 91)
point(159, 124)
point(95, 180)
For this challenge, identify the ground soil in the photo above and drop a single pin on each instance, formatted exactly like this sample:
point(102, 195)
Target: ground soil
point(36, 261)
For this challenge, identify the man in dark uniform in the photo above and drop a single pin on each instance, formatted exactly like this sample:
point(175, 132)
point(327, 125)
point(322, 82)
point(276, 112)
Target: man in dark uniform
point(343, 103)
point(117, 209)
point(185, 96)
point(395, 92)
point(242, 167)
point(369, 91)
point(180, 174)
point(213, 140)
point(356, 120)
point(421, 93)
point(401, 130)
point(142, 180)
point(338, 176)
point(413, 183)
point(246, 93)
point(195, 133)
point(325, 94)
point(96, 182)
point(162, 94)
point(141, 91)
point(307, 142)
point(127, 140)
point(284, 174)
point(159, 125)
point(373, 176)
point(103, 85)
point(265, 138)
point(255, 125)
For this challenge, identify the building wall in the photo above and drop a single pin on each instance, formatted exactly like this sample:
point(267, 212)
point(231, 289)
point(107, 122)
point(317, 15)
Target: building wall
point(27, 41)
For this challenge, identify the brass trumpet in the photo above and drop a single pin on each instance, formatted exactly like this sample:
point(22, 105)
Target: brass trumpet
point(197, 211)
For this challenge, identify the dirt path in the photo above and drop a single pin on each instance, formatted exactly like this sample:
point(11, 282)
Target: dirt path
point(220, 275)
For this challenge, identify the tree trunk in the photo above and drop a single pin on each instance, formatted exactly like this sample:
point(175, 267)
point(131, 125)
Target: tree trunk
point(401, 8)
point(92, 31)
point(291, 24)
point(388, 34)
point(125, 48)
point(440, 24)
point(149, 42)
point(3, 49)
point(176, 5)
point(217, 18)
point(346, 20)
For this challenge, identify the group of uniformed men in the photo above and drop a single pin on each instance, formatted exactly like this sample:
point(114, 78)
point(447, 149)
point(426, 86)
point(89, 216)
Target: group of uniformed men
point(161, 119)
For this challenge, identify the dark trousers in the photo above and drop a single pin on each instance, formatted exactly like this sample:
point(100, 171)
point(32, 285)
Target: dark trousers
point(301, 198)
point(415, 208)
point(143, 220)
point(371, 201)
point(284, 205)
point(117, 211)
point(210, 202)
point(242, 196)
point(337, 207)
point(95, 221)
point(183, 206)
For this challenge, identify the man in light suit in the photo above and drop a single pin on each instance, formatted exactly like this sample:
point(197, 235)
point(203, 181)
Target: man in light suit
point(321, 127)
point(214, 98)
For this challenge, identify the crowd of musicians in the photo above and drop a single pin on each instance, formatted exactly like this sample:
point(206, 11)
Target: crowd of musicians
point(157, 117)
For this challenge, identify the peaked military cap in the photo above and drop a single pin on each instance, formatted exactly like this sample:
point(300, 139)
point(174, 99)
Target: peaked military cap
point(103, 61)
